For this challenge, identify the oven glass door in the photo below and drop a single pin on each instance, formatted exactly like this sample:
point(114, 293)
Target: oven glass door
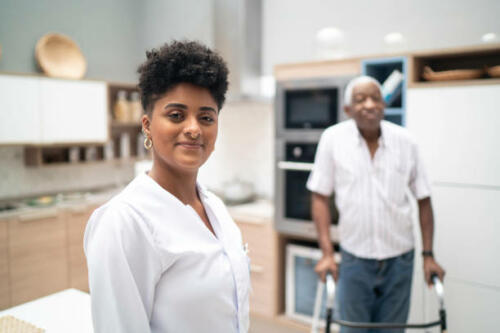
point(311, 108)
point(298, 197)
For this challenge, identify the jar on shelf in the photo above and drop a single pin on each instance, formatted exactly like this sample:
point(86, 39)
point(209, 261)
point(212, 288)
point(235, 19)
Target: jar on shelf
point(121, 109)
point(135, 107)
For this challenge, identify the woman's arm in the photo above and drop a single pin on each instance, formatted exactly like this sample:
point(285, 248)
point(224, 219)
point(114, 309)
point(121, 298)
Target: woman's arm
point(124, 268)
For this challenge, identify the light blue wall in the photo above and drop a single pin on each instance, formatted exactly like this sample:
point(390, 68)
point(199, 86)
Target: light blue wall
point(112, 34)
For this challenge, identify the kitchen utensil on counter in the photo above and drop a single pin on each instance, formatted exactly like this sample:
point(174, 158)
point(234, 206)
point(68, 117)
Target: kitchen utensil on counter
point(121, 109)
point(59, 56)
point(238, 192)
point(44, 201)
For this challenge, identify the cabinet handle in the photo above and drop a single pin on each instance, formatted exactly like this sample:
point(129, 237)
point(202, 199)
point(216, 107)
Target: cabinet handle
point(256, 269)
point(46, 214)
point(298, 166)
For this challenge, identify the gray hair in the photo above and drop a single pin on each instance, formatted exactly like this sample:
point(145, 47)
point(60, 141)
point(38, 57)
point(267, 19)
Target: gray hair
point(353, 83)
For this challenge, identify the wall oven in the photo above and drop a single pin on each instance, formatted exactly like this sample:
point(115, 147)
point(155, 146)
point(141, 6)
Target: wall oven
point(303, 109)
point(293, 200)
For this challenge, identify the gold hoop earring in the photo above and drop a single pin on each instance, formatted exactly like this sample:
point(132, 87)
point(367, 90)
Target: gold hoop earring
point(148, 143)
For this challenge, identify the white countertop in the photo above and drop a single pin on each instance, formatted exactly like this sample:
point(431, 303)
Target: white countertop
point(259, 211)
point(62, 312)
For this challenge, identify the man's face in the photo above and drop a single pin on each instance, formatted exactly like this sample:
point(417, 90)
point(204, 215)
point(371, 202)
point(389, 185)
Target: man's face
point(367, 106)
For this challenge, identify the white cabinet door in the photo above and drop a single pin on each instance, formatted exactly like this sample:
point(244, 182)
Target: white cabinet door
point(469, 307)
point(457, 131)
point(467, 233)
point(73, 111)
point(19, 111)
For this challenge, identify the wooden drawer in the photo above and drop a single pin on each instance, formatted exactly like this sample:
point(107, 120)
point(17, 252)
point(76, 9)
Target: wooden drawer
point(37, 255)
point(4, 267)
point(262, 244)
point(76, 221)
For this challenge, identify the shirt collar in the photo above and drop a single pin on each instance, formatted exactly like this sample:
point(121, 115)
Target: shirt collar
point(383, 140)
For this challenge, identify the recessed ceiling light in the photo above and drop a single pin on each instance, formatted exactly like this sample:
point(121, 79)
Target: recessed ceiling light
point(393, 38)
point(489, 37)
point(329, 36)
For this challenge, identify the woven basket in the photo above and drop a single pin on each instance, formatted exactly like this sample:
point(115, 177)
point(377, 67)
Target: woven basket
point(494, 71)
point(456, 74)
point(59, 56)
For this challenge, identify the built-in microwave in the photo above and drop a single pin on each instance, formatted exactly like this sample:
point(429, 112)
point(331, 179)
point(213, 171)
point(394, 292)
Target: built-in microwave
point(293, 200)
point(309, 105)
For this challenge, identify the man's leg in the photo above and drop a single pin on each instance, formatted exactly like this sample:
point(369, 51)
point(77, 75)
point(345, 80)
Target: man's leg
point(393, 291)
point(355, 290)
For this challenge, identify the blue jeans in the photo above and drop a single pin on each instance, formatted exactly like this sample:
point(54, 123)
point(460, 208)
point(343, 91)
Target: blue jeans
point(374, 290)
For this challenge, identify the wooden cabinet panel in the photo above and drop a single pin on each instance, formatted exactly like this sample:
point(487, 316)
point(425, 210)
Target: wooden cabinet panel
point(76, 221)
point(263, 252)
point(37, 255)
point(4, 267)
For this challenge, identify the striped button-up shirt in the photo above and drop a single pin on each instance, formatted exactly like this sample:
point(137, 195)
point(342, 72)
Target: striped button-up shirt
point(371, 194)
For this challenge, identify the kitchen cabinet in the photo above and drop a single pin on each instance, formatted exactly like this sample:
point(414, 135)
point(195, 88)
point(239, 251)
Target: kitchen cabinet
point(467, 226)
point(4, 266)
point(19, 110)
point(263, 252)
point(42, 111)
point(456, 129)
point(73, 111)
point(76, 221)
point(37, 255)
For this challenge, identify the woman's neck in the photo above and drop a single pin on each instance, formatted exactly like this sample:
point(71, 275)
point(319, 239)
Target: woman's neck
point(180, 184)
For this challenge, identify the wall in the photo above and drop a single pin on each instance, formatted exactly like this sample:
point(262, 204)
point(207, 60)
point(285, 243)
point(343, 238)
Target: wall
point(113, 34)
point(290, 26)
point(244, 149)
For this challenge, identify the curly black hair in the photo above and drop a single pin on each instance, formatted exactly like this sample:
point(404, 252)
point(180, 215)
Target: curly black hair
point(178, 62)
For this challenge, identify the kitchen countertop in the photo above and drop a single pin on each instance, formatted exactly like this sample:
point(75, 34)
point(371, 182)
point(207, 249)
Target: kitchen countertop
point(62, 312)
point(61, 202)
point(259, 211)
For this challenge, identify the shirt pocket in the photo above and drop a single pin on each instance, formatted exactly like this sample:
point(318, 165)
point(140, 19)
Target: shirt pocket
point(396, 180)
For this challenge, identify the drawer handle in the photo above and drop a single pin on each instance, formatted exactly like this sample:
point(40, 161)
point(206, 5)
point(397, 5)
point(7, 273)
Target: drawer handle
point(256, 269)
point(38, 216)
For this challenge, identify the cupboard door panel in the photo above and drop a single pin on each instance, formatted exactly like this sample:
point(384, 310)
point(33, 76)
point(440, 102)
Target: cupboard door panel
point(37, 253)
point(73, 111)
point(457, 132)
point(19, 110)
point(76, 223)
point(4, 267)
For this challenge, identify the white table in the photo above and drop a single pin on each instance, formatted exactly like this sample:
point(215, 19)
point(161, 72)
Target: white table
point(65, 311)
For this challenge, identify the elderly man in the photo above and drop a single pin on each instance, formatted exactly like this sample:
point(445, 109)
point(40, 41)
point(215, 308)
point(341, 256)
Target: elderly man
point(370, 163)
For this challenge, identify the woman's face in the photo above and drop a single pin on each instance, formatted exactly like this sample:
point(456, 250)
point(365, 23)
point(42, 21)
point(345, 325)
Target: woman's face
point(183, 127)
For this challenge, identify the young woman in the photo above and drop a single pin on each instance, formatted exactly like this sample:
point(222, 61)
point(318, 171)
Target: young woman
point(164, 255)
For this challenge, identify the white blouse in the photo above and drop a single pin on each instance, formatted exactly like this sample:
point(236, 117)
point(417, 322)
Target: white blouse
point(155, 267)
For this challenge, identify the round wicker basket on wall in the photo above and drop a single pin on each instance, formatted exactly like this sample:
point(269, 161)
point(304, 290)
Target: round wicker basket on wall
point(59, 56)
